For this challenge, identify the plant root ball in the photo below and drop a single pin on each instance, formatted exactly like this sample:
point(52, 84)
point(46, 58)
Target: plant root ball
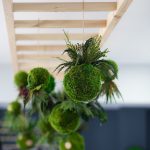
point(14, 108)
point(64, 121)
point(73, 141)
point(25, 141)
point(82, 83)
point(20, 79)
point(40, 77)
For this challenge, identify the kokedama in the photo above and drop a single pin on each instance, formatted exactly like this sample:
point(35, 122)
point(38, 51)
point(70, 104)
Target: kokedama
point(73, 141)
point(64, 121)
point(86, 70)
point(14, 108)
point(26, 141)
point(40, 78)
point(87, 78)
point(21, 79)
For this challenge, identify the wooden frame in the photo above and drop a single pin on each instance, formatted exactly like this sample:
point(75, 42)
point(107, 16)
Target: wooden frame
point(22, 55)
point(114, 18)
point(7, 4)
point(64, 7)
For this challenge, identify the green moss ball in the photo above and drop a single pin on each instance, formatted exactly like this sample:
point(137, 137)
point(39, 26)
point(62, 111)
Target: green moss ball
point(38, 77)
point(26, 141)
point(82, 83)
point(64, 121)
point(109, 75)
point(73, 141)
point(14, 108)
point(51, 85)
point(21, 79)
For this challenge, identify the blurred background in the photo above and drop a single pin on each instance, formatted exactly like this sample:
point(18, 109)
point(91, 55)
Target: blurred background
point(128, 119)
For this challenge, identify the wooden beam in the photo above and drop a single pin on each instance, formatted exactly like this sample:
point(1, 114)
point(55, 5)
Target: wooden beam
point(8, 10)
point(114, 18)
point(40, 56)
point(64, 7)
point(60, 23)
point(49, 64)
point(40, 47)
point(55, 36)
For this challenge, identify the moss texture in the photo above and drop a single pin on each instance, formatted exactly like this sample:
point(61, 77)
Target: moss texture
point(21, 79)
point(51, 85)
point(62, 121)
point(14, 108)
point(82, 83)
point(40, 77)
point(25, 141)
point(75, 141)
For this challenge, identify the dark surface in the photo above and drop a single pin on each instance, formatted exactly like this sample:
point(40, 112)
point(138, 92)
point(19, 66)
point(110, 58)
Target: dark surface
point(125, 127)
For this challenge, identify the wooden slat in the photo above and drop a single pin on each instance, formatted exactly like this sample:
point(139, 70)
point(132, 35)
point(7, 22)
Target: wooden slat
point(64, 7)
point(60, 23)
point(40, 47)
point(53, 36)
point(50, 65)
point(7, 4)
point(114, 18)
point(40, 56)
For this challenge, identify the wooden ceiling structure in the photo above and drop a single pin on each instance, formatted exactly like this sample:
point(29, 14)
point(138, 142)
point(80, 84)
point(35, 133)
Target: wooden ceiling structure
point(27, 56)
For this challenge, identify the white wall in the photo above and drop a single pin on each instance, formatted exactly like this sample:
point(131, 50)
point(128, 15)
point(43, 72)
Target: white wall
point(134, 84)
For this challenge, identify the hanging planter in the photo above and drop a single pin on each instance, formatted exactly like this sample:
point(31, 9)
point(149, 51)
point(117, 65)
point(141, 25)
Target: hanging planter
point(73, 141)
point(64, 121)
point(87, 70)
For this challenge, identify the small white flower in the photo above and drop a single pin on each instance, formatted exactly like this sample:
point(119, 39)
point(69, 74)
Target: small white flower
point(68, 145)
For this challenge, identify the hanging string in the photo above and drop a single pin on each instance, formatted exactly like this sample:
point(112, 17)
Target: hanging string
point(83, 22)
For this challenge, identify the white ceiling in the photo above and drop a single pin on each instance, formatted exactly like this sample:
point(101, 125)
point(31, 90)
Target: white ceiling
point(129, 42)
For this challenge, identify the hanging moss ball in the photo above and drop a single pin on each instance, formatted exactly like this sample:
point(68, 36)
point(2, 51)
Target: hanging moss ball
point(64, 121)
point(21, 79)
point(73, 141)
point(82, 83)
point(111, 72)
point(26, 141)
point(38, 77)
point(14, 108)
point(51, 85)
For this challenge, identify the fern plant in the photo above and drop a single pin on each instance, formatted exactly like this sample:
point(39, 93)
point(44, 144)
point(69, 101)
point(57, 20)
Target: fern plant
point(79, 82)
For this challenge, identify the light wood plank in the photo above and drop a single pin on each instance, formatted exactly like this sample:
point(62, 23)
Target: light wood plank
point(55, 36)
point(41, 56)
point(7, 4)
point(114, 18)
point(60, 23)
point(64, 7)
point(40, 47)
